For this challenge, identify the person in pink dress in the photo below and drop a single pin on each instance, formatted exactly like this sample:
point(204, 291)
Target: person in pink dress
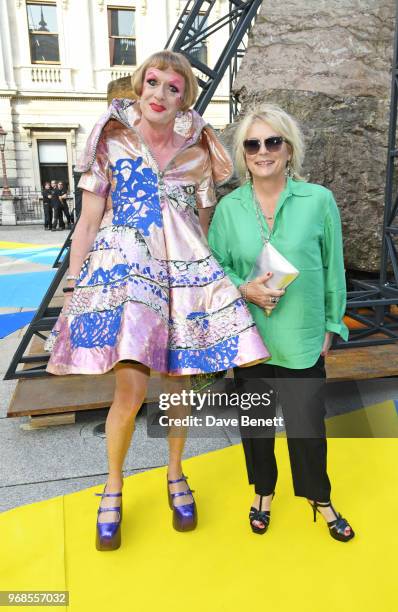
point(144, 291)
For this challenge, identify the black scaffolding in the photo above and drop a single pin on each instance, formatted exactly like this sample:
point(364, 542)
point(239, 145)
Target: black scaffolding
point(195, 26)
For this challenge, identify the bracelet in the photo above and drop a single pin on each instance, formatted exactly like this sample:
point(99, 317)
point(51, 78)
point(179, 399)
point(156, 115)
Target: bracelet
point(68, 289)
point(243, 290)
point(71, 277)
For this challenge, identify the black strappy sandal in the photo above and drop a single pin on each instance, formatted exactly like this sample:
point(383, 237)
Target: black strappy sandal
point(263, 516)
point(338, 526)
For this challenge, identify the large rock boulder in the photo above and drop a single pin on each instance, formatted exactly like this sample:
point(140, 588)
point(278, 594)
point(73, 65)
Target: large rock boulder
point(328, 63)
point(120, 88)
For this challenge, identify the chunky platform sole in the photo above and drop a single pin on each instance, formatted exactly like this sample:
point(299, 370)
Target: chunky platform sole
point(178, 526)
point(111, 544)
point(181, 522)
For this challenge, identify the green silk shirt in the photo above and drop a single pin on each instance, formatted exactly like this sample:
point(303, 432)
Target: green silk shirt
point(307, 231)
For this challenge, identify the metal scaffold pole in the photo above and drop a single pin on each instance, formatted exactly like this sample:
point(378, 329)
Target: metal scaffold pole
point(195, 26)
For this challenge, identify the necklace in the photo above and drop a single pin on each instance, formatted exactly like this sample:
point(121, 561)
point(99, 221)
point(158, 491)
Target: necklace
point(268, 217)
point(258, 210)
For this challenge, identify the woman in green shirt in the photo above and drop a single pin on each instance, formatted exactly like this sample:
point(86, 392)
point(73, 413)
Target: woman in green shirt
point(302, 222)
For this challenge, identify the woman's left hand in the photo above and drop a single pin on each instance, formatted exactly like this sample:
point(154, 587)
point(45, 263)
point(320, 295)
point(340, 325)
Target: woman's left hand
point(327, 343)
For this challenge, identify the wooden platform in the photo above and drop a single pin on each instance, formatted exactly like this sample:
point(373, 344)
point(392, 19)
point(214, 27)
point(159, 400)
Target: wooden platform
point(363, 363)
point(68, 394)
point(56, 394)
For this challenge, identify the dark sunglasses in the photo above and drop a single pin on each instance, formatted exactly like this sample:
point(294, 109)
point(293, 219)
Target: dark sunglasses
point(272, 144)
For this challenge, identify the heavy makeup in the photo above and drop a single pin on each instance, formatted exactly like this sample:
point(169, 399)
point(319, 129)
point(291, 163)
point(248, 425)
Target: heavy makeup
point(161, 96)
point(161, 99)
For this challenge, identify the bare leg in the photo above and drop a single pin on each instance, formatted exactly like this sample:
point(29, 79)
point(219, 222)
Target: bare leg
point(130, 391)
point(177, 437)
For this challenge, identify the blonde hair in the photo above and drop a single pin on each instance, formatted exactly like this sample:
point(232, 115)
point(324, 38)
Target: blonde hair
point(162, 60)
point(284, 124)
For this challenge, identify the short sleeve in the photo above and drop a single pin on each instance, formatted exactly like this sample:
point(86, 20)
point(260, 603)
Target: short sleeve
point(206, 194)
point(217, 168)
point(97, 179)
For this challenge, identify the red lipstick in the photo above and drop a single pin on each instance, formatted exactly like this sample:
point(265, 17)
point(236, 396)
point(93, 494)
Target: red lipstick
point(157, 108)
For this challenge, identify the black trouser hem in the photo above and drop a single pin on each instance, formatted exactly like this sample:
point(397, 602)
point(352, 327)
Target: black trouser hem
point(302, 412)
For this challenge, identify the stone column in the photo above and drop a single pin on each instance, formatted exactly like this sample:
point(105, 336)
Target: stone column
point(6, 121)
point(7, 80)
point(80, 21)
point(328, 63)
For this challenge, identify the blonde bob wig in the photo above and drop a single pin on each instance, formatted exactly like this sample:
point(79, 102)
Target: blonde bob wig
point(283, 124)
point(162, 60)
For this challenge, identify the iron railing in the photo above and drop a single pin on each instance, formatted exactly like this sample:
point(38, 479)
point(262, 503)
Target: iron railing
point(28, 205)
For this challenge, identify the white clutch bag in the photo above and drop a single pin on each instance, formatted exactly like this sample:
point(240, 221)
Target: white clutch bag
point(270, 260)
point(283, 272)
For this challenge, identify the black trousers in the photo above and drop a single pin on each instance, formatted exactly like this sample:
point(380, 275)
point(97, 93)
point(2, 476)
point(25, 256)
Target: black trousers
point(59, 208)
point(48, 214)
point(65, 209)
point(54, 206)
point(300, 393)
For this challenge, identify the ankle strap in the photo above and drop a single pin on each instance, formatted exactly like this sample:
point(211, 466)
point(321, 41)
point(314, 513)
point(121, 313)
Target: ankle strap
point(108, 494)
point(117, 509)
point(183, 478)
point(187, 492)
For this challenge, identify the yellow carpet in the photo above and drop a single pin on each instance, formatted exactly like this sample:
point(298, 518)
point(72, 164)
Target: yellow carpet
point(296, 566)
point(375, 421)
point(4, 244)
point(32, 548)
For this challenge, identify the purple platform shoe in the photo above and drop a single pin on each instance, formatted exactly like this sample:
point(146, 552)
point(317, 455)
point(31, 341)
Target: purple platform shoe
point(185, 517)
point(109, 534)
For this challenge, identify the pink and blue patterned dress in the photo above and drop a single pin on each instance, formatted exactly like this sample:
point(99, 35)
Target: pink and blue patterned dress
point(149, 289)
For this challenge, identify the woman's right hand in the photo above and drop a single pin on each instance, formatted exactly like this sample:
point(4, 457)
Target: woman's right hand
point(259, 294)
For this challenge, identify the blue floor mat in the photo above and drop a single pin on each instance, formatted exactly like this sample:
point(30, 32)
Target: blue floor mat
point(10, 322)
point(24, 290)
point(39, 256)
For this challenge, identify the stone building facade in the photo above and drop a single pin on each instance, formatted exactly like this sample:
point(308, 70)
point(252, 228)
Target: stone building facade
point(56, 60)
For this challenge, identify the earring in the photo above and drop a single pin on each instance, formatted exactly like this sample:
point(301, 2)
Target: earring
point(248, 176)
point(179, 113)
point(289, 172)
